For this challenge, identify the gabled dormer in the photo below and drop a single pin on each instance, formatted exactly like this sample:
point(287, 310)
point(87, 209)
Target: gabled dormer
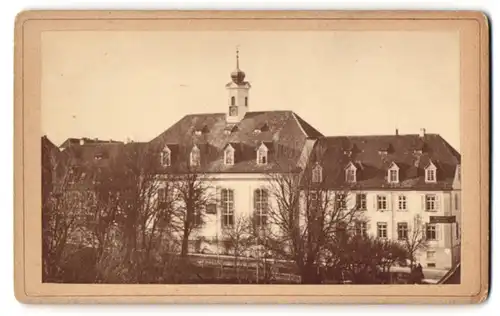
point(194, 156)
point(430, 173)
point(317, 173)
point(393, 173)
point(166, 156)
point(262, 153)
point(229, 155)
point(350, 173)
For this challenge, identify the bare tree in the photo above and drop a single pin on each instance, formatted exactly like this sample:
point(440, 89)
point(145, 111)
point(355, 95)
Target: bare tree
point(238, 240)
point(416, 240)
point(62, 210)
point(144, 211)
point(309, 216)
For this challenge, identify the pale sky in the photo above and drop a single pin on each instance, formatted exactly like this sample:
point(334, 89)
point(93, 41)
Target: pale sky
point(114, 85)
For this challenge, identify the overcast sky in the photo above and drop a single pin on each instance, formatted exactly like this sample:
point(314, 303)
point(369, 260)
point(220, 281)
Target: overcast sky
point(114, 85)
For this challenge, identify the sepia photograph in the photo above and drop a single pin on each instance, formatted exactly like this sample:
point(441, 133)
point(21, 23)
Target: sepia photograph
point(251, 158)
point(261, 155)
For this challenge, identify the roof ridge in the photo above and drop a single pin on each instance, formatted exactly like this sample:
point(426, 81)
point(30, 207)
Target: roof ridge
point(378, 135)
point(303, 122)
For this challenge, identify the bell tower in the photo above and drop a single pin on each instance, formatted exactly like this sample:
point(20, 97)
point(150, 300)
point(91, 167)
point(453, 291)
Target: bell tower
point(238, 89)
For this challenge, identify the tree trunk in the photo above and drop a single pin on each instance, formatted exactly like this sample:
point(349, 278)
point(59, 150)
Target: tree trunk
point(185, 241)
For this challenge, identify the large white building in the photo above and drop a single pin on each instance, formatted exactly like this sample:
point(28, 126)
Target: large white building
point(400, 181)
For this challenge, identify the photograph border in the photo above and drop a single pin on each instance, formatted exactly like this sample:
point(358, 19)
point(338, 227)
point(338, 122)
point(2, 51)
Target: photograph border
point(474, 139)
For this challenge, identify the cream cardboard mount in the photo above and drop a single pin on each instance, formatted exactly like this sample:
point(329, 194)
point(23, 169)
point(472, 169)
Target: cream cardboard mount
point(261, 167)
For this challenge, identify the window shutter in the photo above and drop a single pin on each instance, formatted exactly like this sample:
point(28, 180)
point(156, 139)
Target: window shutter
point(218, 199)
point(438, 231)
point(255, 198)
point(437, 207)
point(389, 202)
point(375, 202)
point(422, 199)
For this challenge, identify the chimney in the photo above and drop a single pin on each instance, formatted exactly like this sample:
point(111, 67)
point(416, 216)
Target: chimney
point(422, 132)
point(397, 132)
point(82, 141)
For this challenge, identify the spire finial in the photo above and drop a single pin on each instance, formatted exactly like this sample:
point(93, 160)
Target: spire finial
point(237, 56)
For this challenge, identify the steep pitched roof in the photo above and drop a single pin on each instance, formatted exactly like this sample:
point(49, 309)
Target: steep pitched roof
point(377, 153)
point(285, 135)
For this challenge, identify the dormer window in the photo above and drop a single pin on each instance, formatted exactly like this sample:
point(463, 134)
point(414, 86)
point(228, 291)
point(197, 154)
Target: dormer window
point(229, 155)
point(317, 174)
point(393, 174)
point(166, 157)
point(256, 131)
point(197, 133)
point(430, 173)
point(350, 173)
point(195, 156)
point(262, 155)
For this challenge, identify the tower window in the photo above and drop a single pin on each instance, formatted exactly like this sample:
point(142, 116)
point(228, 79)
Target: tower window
point(246, 101)
point(233, 101)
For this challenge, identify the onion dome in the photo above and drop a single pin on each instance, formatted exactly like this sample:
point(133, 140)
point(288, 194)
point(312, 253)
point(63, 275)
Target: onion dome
point(238, 76)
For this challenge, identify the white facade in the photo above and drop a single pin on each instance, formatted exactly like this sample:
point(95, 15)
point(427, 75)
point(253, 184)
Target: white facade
point(401, 208)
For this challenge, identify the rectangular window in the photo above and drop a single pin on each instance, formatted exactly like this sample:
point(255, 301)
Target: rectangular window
point(361, 201)
point(350, 175)
point(340, 201)
point(360, 228)
point(393, 176)
point(262, 156)
point(431, 232)
point(431, 265)
point(317, 174)
point(381, 202)
point(431, 175)
point(165, 158)
point(402, 231)
point(227, 205)
point(382, 230)
point(195, 157)
point(430, 202)
point(260, 206)
point(402, 203)
point(457, 202)
point(314, 199)
point(197, 220)
point(229, 157)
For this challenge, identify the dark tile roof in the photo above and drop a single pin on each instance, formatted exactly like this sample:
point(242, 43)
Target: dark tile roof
point(373, 155)
point(86, 141)
point(86, 164)
point(283, 132)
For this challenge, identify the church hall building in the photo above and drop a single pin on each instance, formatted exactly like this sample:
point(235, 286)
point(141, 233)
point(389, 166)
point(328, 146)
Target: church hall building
point(399, 181)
